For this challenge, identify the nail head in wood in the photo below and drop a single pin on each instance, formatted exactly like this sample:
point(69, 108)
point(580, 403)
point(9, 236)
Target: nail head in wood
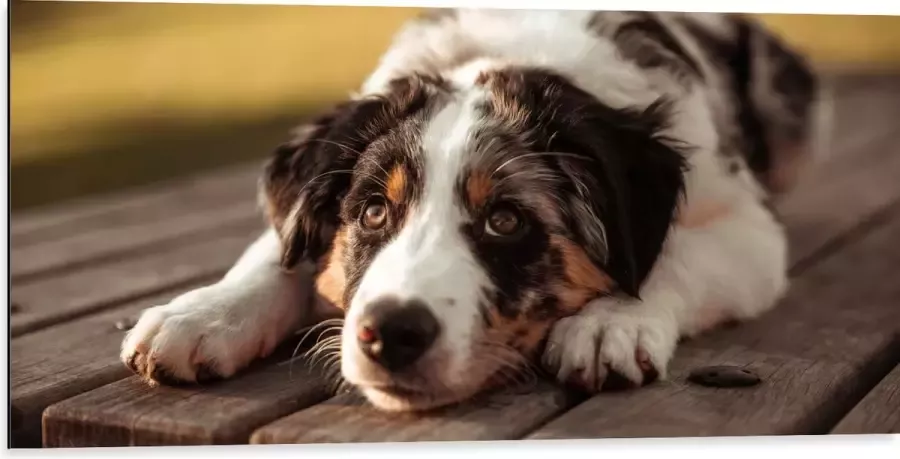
point(724, 376)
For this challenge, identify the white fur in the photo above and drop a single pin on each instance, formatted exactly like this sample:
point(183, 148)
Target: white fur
point(226, 325)
point(430, 261)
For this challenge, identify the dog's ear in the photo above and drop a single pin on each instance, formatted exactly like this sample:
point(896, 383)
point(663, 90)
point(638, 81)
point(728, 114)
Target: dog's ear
point(626, 188)
point(305, 180)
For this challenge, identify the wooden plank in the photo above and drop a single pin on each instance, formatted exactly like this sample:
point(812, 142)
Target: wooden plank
point(128, 413)
point(499, 416)
point(161, 200)
point(128, 238)
point(49, 301)
point(68, 359)
point(878, 412)
point(818, 353)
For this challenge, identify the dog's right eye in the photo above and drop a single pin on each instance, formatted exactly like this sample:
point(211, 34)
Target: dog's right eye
point(374, 215)
point(504, 221)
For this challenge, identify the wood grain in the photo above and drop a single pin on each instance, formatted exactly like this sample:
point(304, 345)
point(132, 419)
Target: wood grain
point(143, 204)
point(52, 300)
point(128, 413)
point(500, 416)
point(878, 412)
point(129, 239)
point(68, 359)
point(818, 353)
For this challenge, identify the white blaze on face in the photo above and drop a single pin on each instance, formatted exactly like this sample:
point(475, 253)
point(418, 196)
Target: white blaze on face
point(429, 260)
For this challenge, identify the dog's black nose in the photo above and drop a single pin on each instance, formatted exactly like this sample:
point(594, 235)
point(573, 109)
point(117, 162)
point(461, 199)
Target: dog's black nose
point(396, 333)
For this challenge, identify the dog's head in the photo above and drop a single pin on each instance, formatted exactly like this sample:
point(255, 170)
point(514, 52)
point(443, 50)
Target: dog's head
point(454, 223)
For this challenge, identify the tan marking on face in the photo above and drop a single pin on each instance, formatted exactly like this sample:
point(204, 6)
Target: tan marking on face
point(478, 188)
point(584, 280)
point(396, 185)
point(701, 214)
point(519, 333)
point(331, 282)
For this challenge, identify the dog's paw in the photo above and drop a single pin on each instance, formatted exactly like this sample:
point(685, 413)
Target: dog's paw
point(197, 337)
point(611, 345)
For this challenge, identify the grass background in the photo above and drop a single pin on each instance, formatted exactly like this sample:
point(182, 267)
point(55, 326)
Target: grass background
point(110, 95)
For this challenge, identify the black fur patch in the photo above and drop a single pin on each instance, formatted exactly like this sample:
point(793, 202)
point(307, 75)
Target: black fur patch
point(616, 167)
point(646, 41)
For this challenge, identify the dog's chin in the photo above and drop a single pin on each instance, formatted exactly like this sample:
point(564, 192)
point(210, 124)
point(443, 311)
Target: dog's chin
point(389, 394)
point(401, 399)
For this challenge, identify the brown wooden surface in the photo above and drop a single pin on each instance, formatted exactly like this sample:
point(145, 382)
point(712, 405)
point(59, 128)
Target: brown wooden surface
point(48, 301)
point(502, 416)
point(68, 359)
point(125, 413)
point(142, 205)
point(101, 244)
point(79, 268)
point(878, 412)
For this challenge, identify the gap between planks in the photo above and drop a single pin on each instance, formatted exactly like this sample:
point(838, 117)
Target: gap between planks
point(46, 302)
point(129, 232)
point(159, 200)
point(878, 412)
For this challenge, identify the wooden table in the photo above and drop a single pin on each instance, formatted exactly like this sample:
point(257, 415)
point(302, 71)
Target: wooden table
point(828, 355)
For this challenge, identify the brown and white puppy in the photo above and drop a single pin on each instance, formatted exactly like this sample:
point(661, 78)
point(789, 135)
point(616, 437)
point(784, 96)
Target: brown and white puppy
point(580, 189)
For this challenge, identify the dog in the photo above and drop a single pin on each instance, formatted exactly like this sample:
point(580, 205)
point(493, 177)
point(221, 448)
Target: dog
point(573, 190)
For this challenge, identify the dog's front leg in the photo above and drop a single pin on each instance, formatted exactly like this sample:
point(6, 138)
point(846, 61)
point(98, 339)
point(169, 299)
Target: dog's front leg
point(215, 331)
point(731, 268)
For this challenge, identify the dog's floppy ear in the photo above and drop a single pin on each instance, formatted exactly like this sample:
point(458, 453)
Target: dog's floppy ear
point(306, 178)
point(626, 188)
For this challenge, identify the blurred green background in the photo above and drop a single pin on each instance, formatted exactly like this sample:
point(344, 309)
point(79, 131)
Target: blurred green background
point(112, 95)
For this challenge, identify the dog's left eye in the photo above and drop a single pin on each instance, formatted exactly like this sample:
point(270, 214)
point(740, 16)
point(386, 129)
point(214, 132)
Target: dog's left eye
point(503, 221)
point(374, 216)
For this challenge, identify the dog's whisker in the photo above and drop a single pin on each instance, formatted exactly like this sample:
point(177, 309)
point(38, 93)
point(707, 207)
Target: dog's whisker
point(536, 154)
point(321, 352)
point(337, 144)
point(324, 323)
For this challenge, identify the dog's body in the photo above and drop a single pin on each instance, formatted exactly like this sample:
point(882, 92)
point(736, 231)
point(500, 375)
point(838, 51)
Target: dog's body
point(576, 188)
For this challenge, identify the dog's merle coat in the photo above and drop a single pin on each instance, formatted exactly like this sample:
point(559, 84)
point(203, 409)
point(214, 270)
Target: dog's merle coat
point(579, 188)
